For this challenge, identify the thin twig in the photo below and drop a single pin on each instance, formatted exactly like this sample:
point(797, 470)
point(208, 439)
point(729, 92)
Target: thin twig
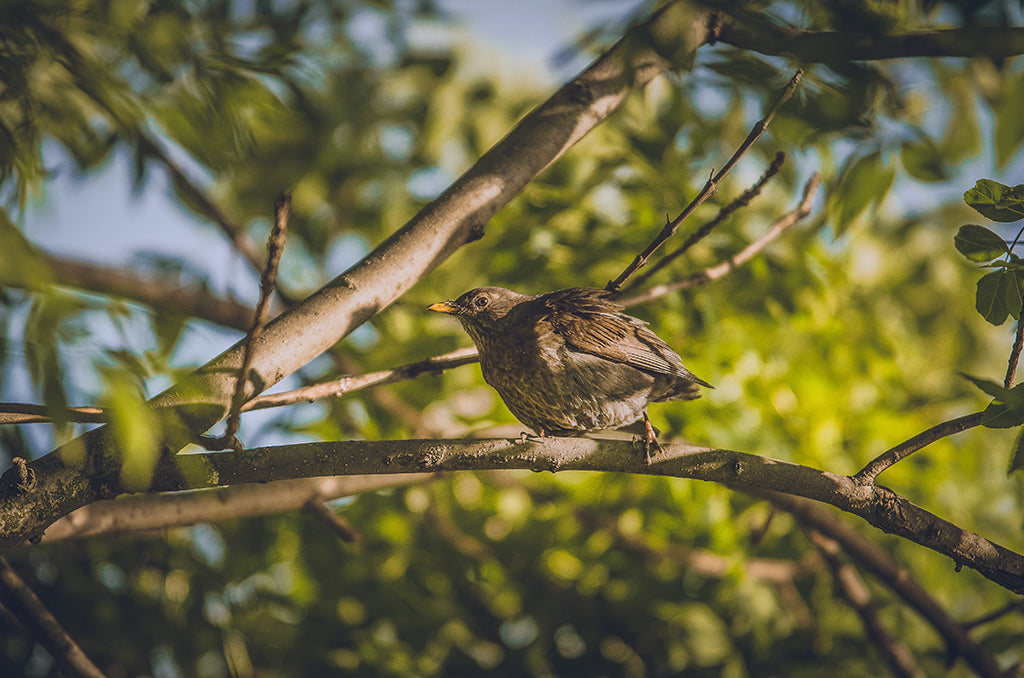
point(44, 627)
point(25, 413)
point(893, 455)
point(905, 449)
point(268, 281)
point(1009, 608)
point(341, 527)
point(348, 384)
point(704, 230)
point(723, 268)
point(853, 589)
point(196, 196)
point(710, 187)
point(163, 293)
point(1018, 343)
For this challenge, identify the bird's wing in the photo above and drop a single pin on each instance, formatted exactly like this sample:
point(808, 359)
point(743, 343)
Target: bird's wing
point(588, 320)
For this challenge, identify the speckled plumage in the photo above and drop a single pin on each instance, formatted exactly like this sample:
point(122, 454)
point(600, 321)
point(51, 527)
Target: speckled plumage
point(570, 361)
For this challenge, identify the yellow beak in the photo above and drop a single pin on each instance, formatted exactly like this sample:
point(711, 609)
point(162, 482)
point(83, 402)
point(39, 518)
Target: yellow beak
point(443, 307)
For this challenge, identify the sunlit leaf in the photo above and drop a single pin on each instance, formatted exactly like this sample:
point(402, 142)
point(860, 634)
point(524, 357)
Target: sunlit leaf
point(996, 201)
point(136, 428)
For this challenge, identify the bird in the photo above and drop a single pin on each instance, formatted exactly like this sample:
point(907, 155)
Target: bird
point(569, 362)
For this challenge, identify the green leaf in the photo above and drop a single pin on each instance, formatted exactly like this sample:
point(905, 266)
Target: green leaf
point(978, 243)
point(1001, 415)
point(991, 297)
point(923, 160)
point(995, 390)
point(1014, 298)
point(1009, 127)
point(996, 201)
point(1007, 408)
point(1017, 460)
point(135, 427)
point(864, 182)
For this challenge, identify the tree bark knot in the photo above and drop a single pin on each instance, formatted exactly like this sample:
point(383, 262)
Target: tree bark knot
point(20, 476)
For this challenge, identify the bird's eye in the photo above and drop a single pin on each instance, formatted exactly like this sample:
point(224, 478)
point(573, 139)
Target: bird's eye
point(481, 302)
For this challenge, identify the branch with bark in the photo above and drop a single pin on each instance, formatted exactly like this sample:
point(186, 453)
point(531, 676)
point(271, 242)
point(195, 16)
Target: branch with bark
point(879, 506)
point(758, 34)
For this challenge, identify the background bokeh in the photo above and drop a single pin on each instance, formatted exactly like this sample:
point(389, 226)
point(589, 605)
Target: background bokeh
point(843, 338)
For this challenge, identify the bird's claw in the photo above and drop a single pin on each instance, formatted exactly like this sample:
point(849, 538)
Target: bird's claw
point(642, 444)
point(525, 436)
point(647, 439)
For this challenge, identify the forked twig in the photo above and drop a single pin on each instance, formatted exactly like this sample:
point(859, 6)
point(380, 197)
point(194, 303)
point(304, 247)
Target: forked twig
point(710, 187)
point(348, 384)
point(723, 268)
point(268, 281)
point(704, 230)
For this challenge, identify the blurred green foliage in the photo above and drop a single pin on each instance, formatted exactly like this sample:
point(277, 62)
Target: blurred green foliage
point(843, 338)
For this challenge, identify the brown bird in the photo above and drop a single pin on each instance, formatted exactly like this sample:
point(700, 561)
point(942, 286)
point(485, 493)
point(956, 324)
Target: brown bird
point(570, 361)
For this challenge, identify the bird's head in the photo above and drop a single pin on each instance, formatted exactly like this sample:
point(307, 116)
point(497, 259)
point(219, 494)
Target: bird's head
point(482, 310)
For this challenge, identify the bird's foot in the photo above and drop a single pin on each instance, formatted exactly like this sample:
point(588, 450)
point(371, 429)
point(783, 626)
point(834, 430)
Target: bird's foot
point(649, 438)
point(526, 435)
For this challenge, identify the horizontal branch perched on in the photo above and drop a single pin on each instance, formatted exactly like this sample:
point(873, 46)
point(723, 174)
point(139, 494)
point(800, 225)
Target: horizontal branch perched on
point(877, 505)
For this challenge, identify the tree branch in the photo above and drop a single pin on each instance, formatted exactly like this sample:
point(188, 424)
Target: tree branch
point(872, 558)
point(723, 268)
point(852, 589)
point(891, 456)
point(162, 293)
point(27, 413)
point(44, 627)
point(148, 512)
point(879, 506)
point(769, 38)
